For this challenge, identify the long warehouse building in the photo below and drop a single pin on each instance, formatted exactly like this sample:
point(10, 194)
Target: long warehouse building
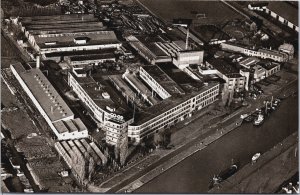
point(49, 103)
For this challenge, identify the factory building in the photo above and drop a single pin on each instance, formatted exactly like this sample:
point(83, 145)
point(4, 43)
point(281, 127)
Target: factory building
point(160, 102)
point(185, 99)
point(98, 55)
point(261, 53)
point(74, 41)
point(113, 116)
point(78, 154)
point(49, 103)
point(149, 50)
point(96, 59)
point(63, 33)
point(158, 50)
point(226, 71)
point(159, 82)
point(184, 58)
point(271, 68)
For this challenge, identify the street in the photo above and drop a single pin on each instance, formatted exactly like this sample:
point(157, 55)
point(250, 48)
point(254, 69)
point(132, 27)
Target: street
point(195, 173)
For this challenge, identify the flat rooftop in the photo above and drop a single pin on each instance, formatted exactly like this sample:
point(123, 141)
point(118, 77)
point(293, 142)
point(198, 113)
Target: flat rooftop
point(224, 67)
point(92, 57)
point(67, 39)
point(249, 61)
point(166, 104)
point(163, 79)
point(74, 125)
point(80, 52)
point(57, 19)
point(43, 91)
point(95, 86)
point(269, 65)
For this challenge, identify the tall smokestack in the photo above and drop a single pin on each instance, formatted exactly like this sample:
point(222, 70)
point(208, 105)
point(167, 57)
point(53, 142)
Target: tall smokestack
point(38, 61)
point(187, 38)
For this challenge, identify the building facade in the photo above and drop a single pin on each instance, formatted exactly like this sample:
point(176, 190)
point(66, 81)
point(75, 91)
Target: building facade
point(261, 53)
point(174, 115)
point(113, 124)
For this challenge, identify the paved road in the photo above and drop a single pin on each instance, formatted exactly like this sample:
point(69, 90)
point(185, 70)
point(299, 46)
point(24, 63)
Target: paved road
point(195, 173)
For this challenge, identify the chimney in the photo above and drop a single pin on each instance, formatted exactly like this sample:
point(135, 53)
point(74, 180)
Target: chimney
point(38, 61)
point(187, 38)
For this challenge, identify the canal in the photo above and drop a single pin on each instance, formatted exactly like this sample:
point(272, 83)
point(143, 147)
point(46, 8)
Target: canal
point(193, 175)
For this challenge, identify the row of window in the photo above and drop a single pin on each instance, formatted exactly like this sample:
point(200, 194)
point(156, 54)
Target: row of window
point(213, 94)
point(175, 109)
point(161, 91)
point(146, 131)
point(172, 119)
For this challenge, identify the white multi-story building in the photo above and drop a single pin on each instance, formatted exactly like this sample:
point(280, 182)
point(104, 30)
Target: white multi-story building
point(184, 58)
point(116, 120)
point(112, 117)
point(167, 113)
point(49, 103)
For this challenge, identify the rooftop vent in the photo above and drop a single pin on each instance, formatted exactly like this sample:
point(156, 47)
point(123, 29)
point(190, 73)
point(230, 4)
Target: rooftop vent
point(110, 109)
point(50, 43)
point(81, 40)
point(105, 95)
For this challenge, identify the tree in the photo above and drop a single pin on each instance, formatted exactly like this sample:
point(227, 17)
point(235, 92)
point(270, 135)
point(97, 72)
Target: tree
point(91, 168)
point(123, 149)
point(225, 95)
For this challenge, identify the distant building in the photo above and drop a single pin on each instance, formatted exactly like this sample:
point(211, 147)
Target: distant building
point(288, 49)
point(74, 41)
point(261, 6)
point(231, 75)
point(157, 50)
point(282, 11)
point(62, 33)
point(103, 55)
point(261, 53)
point(49, 103)
point(271, 68)
point(96, 59)
point(150, 51)
point(259, 73)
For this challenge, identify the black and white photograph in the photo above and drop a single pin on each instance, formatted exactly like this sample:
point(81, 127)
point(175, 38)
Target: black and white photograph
point(149, 97)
